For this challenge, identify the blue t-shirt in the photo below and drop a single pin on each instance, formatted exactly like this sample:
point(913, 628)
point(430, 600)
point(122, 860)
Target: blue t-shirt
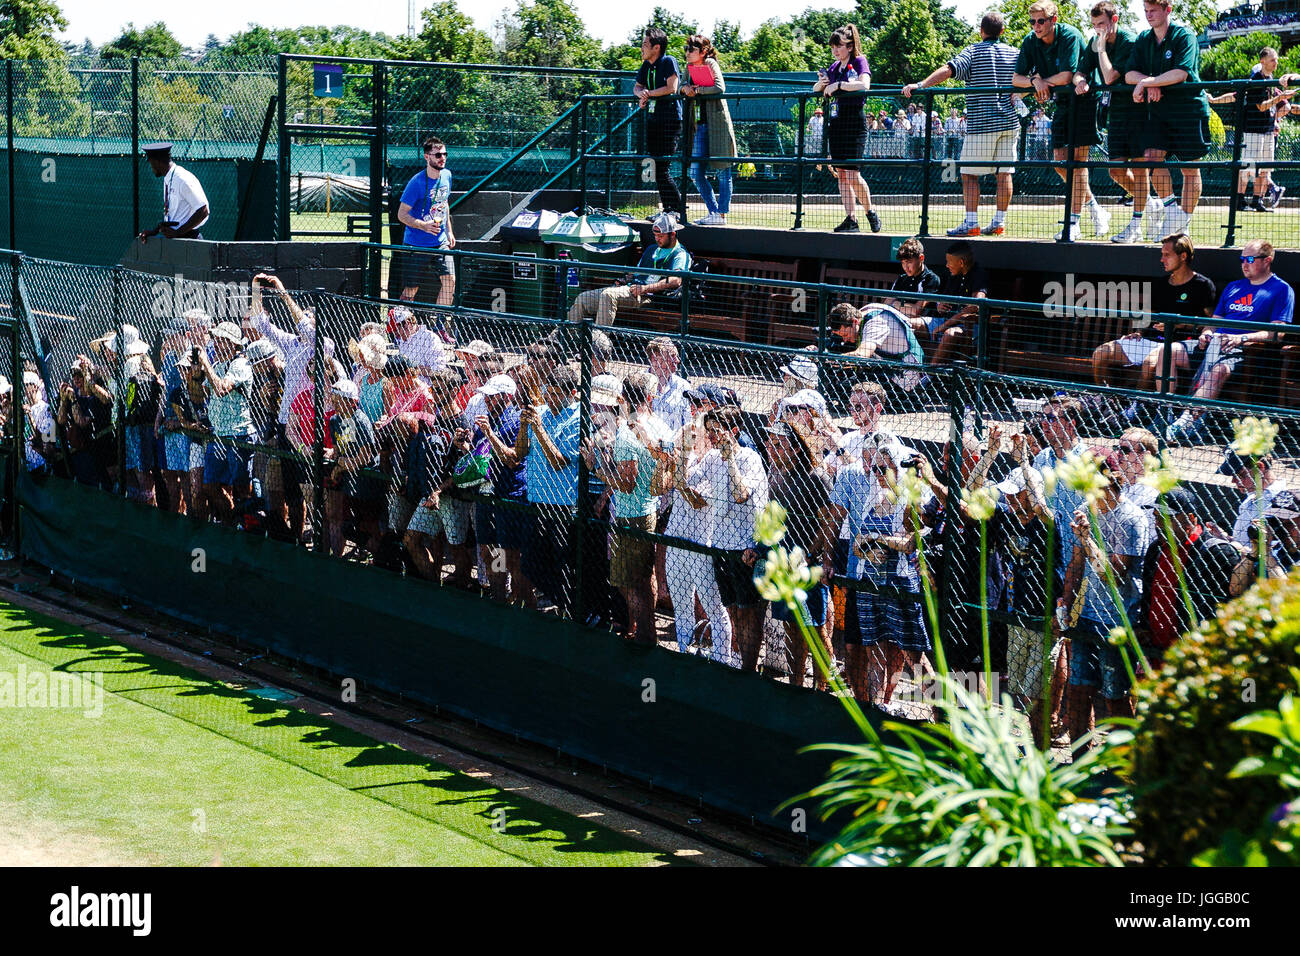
point(675, 258)
point(546, 485)
point(1270, 301)
point(429, 200)
point(1122, 531)
point(506, 482)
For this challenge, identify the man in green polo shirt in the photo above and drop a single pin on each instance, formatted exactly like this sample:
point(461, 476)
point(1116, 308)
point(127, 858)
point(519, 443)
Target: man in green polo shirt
point(1177, 120)
point(1048, 60)
point(1104, 63)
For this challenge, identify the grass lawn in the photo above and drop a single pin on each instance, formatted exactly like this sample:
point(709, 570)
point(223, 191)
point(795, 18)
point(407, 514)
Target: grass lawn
point(183, 770)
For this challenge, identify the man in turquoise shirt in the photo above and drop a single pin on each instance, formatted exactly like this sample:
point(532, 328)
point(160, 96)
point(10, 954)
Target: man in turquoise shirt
point(666, 255)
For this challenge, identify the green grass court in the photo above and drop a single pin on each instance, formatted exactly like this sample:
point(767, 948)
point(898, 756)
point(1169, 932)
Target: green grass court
point(183, 770)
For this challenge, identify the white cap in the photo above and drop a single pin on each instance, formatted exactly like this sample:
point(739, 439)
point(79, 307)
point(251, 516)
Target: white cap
point(803, 369)
point(229, 331)
point(805, 398)
point(498, 385)
point(346, 388)
point(1014, 483)
point(5, 387)
point(31, 378)
point(606, 390)
point(136, 348)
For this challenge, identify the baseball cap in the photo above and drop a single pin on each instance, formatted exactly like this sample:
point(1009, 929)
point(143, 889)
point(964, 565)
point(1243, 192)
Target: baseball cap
point(230, 332)
point(1179, 501)
point(260, 351)
point(804, 369)
point(805, 398)
point(475, 347)
point(498, 385)
point(664, 222)
point(606, 390)
point(136, 348)
point(31, 378)
point(346, 388)
point(1233, 464)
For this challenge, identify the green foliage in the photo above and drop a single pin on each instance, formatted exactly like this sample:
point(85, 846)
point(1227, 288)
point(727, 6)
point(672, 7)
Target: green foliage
point(548, 33)
point(969, 792)
point(448, 35)
point(1184, 801)
point(1197, 14)
point(1016, 15)
point(28, 28)
point(677, 27)
point(726, 36)
point(1235, 57)
point(908, 47)
point(775, 49)
point(155, 40)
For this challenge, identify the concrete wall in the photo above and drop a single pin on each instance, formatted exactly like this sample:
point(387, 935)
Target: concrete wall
point(332, 266)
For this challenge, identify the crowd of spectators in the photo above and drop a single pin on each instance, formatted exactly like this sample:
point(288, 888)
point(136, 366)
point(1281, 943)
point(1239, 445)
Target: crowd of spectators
point(462, 463)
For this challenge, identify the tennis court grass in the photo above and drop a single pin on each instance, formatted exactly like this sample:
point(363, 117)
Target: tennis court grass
point(182, 770)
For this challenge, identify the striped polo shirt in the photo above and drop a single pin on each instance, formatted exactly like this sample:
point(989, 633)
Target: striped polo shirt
point(987, 63)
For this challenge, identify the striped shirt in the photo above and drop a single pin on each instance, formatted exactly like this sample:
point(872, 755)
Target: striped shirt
point(987, 63)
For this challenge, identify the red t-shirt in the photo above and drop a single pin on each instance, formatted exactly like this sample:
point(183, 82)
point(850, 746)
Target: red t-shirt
point(304, 407)
point(1166, 595)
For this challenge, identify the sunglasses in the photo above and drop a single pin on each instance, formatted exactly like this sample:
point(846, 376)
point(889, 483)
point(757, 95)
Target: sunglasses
point(881, 469)
point(1127, 450)
point(429, 152)
point(1251, 259)
point(1039, 21)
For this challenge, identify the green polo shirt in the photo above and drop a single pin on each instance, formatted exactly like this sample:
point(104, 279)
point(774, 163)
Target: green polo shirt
point(1120, 52)
point(1060, 56)
point(1178, 52)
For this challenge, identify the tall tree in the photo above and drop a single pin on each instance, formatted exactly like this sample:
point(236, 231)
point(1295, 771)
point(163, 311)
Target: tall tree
point(726, 36)
point(1197, 14)
point(671, 23)
point(28, 28)
point(448, 35)
point(155, 40)
point(548, 33)
point(908, 47)
point(1016, 15)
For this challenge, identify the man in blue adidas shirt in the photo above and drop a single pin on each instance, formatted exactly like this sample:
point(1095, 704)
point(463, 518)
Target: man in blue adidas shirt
point(425, 211)
point(1258, 297)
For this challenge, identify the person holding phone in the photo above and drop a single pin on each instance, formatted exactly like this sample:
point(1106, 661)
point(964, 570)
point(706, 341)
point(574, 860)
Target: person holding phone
point(844, 84)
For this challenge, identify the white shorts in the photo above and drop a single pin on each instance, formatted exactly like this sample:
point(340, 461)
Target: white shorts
point(996, 147)
point(1257, 148)
point(1138, 351)
point(1025, 660)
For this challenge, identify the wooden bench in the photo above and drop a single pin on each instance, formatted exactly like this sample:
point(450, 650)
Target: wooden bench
point(728, 310)
point(795, 329)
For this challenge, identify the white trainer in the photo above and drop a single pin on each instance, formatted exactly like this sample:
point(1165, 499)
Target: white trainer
point(1155, 221)
point(1130, 233)
point(1100, 220)
point(1075, 234)
point(1176, 220)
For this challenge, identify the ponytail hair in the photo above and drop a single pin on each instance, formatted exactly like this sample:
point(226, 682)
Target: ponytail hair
point(847, 35)
point(698, 41)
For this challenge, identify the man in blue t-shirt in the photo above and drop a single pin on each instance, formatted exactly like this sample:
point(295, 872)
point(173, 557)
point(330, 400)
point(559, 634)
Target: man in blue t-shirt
point(1258, 297)
point(425, 211)
point(666, 255)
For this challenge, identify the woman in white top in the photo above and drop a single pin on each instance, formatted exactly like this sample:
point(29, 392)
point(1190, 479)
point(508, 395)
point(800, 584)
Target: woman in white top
point(690, 573)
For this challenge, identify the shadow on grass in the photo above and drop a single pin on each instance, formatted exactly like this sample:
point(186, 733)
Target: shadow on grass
point(314, 743)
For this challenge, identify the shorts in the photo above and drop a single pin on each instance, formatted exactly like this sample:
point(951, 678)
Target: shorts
point(1138, 351)
point(141, 446)
point(181, 452)
point(998, 146)
point(631, 560)
point(418, 269)
point(1094, 661)
point(1025, 660)
point(1123, 139)
point(1227, 361)
point(1257, 148)
point(400, 510)
point(819, 598)
point(1177, 133)
point(501, 526)
point(450, 519)
point(1075, 123)
point(226, 463)
point(736, 580)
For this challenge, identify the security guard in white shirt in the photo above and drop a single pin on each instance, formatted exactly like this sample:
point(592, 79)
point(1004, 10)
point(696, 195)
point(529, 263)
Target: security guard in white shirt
point(185, 206)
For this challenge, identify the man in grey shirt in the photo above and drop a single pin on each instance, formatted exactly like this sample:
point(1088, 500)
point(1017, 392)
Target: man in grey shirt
point(992, 126)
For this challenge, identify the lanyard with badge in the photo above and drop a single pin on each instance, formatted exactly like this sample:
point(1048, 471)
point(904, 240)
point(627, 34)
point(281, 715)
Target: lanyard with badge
point(651, 85)
point(833, 108)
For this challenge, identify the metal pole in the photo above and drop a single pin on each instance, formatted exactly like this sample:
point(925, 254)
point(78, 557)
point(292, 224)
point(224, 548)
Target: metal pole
point(582, 166)
point(799, 165)
point(257, 166)
point(609, 148)
point(135, 147)
point(952, 479)
point(687, 150)
point(1236, 169)
point(119, 374)
point(19, 453)
point(580, 525)
point(925, 168)
point(9, 112)
point(283, 154)
point(319, 533)
point(1070, 166)
point(380, 119)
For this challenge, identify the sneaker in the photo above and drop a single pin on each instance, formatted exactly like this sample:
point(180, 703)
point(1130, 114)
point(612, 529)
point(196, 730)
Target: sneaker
point(993, 229)
point(1100, 220)
point(965, 229)
point(712, 219)
point(873, 220)
point(1130, 233)
point(1184, 429)
point(1154, 218)
point(1274, 197)
point(848, 225)
point(1126, 200)
point(1245, 203)
point(1075, 234)
point(1176, 221)
point(1258, 206)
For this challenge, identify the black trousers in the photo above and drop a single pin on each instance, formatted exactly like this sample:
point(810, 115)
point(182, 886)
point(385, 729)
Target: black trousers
point(662, 140)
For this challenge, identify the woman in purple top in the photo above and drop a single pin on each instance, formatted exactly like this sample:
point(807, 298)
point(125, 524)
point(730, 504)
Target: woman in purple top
point(844, 83)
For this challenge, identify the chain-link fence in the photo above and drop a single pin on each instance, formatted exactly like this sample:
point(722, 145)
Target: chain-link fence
point(615, 474)
point(75, 129)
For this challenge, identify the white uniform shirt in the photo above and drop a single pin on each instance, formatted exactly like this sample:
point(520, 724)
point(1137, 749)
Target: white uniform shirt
point(182, 197)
